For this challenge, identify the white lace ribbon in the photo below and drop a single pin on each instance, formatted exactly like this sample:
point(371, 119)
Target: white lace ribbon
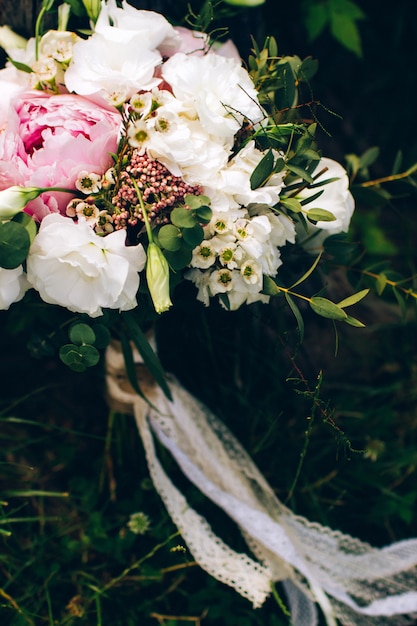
point(349, 580)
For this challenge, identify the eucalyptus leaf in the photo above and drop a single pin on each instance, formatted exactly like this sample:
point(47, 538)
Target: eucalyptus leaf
point(103, 336)
point(296, 311)
point(22, 67)
point(299, 171)
point(183, 218)
point(320, 215)
point(82, 334)
point(89, 354)
point(195, 202)
point(70, 356)
point(14, 244)
point(193, 236)
point(262, 171)
point(169, 237)
point(353, 299)
point(203, 214)
point(179, 259)
point(28, 222)
point(327, 308)
point(352, 321)
point(269, 287)
point(292, 204)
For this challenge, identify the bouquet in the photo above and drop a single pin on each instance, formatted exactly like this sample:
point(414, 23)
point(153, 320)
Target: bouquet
point(136, 156)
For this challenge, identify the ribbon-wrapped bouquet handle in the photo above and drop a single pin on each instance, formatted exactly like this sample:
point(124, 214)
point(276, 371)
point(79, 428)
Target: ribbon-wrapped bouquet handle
point(350, 580)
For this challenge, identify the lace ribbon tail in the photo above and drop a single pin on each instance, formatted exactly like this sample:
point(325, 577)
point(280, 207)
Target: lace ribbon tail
point(249, 578)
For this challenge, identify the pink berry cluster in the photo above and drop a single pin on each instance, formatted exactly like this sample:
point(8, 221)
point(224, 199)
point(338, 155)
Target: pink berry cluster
point(160, 191)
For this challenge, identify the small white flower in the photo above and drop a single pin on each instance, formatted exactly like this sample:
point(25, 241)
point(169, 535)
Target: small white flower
point(141, 103)
point(138, 134)
point(44, 71)
point(88, 182)
point(251, 272)
point(204, 255)
point(221, 281)
point(78, 208)
point(104, 223)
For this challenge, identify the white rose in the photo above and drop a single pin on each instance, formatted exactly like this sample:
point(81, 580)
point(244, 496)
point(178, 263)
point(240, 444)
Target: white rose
point(219, 89)
point(127, 23)
point(335, 198)
point(69, 265)
point(235, 179)
point(13, 286)
point(100, 66)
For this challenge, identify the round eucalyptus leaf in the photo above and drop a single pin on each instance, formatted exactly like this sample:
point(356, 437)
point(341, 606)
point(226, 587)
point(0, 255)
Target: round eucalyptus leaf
point(81, 334)
point(103, 336)
point(28, 222)
point(169, 237)
point(204, 214)
point(180, 259)
point(193, 236)
point(14, 244)
point(90, 355)
point(70, 356)
point(183, 218)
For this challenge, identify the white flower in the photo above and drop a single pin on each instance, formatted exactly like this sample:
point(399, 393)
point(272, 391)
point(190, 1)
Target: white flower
point(100, 66)
point(88, 182)
point(13, 286)
point(69, 265)
point(122, 53)
point(120, 24)
point(335, 198)
point(204, 255)
point(219, 89)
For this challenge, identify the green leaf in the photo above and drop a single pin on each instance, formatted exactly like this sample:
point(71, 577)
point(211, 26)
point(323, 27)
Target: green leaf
point(70, 356)
point(316, 19)
point(353, 299)
point(14, 244)
point(291, 204)
point(299, 171)
point(352, 321)
point(169, 237)
point(22, 67)
point(381, 283)
point(179, 259)
point(103, 336)
point(81, 334)
point(308, 69)
point(28, 222)
point(296, 311)
point(327, 308)
point(203, 214)
point(150, 359)
point(346, 32)
point(307, 273)
point(320, 215)
point(195, 202)
point(90, 355)
point(369, 157)
point(183, 218)
point(270, 288)
point(193, 236)
point(262, 171)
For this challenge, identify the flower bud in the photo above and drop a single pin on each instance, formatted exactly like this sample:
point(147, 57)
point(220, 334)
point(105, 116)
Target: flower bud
point(9, 40)
point(157, 275)
point(93, 8)
point(14, 199)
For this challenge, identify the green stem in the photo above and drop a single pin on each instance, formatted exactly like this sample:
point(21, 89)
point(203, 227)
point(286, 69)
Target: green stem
point(145, 214)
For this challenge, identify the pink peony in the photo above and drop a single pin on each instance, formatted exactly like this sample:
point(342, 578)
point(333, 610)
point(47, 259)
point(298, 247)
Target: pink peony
point(49, 140)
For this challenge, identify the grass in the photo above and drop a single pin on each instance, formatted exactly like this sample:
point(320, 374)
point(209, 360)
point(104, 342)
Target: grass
point(335, 436)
